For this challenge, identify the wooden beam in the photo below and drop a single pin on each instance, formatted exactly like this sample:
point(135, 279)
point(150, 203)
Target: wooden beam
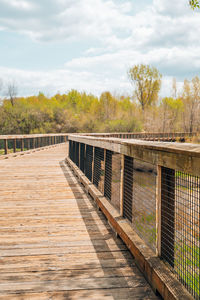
point(5, 146)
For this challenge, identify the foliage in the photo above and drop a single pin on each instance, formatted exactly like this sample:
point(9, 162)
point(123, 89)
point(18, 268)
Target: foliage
point(81, 112)
point(147, 82)
point(72, 112)
point(194, 4)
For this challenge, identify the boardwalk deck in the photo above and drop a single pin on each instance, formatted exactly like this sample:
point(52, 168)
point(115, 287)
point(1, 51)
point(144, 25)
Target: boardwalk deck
point(54, 244)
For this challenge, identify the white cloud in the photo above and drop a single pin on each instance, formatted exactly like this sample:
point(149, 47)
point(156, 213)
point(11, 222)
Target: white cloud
point(19, 4)
point(164, 34)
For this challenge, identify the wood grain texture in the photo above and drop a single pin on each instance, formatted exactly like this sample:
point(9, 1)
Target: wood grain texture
point(54, 244)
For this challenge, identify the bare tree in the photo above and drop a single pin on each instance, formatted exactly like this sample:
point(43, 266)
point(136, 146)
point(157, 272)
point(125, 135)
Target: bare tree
point(174, 88)
point(191, 102)
point(12, 92)
point(1, 85)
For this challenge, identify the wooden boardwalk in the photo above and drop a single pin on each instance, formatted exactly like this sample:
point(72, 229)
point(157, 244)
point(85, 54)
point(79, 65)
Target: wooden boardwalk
point(54, 244)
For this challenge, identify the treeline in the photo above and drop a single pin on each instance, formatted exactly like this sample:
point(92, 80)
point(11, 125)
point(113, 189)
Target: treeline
point(72, 112)
point(81, 112)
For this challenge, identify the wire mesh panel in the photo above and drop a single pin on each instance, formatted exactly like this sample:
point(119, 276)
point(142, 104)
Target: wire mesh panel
point(88, 162)
point(116, 180)
point(98, 178)
point(82, 157)
point(108, 174)
point(144, 201)
point(77, 154)
point(180, 234)
point(70, 149)
point(128, 188)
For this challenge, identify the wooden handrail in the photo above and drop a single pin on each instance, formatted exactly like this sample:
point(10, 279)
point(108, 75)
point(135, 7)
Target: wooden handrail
point(30, 141)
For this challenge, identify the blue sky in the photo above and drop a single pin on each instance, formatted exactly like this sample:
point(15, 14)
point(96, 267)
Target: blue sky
point(58, 45)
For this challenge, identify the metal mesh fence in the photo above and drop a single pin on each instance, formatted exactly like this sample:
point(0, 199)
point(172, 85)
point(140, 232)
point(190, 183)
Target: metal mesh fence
point(144, 201)
point(180, 236)
point(108, 175)
point(116, 180)
point(82, 157)
point(88, 162)
point(99, 172)
point(180, 205)
point(76, 158)
point(139, 198)
point(128, 188)
point(71, 150)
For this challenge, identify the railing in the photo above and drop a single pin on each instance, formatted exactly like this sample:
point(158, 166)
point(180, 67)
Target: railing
point(15, 143)
point(156, 187)
point(155, 136)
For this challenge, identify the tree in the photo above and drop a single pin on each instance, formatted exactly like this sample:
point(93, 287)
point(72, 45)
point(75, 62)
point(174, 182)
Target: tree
point(1, 84)
point(194, 4)
point(12, 92)
point(191, 102)
point(147, 82)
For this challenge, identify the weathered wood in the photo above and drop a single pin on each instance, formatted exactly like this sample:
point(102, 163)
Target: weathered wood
point(182, 157)
point(22, 144)
point(54, 244)
point(155, 271)
point(14, 145)
point(5, 147)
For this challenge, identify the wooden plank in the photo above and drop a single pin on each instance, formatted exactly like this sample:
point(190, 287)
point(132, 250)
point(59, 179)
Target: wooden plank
point(182, 157)
point(97, 294)
point(54, 244)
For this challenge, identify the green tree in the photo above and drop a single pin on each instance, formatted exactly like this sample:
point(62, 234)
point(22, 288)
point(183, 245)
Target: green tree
point(147, 82)
point(194, 4)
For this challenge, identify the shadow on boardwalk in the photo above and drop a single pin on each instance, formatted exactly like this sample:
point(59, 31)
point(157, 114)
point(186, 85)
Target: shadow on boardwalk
point(117, 283)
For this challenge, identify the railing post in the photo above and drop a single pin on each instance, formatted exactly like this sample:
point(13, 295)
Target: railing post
point(5, 146)
point(33, 143)
point(122, 185)
point(158, 211)
point(14, 145)
point(22, 144)
point(28, 144)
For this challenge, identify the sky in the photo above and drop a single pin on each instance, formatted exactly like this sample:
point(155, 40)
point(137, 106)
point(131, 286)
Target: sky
point(53, 46)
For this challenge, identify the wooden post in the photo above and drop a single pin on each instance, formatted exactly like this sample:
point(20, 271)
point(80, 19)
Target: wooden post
point(33, 143)
point(158, 211)
point(28, 144)
point(22, 144)
point(122, 185)
point(5, 146)
point(14, 145)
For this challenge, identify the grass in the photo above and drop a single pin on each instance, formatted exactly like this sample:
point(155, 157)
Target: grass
point(188, 257)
